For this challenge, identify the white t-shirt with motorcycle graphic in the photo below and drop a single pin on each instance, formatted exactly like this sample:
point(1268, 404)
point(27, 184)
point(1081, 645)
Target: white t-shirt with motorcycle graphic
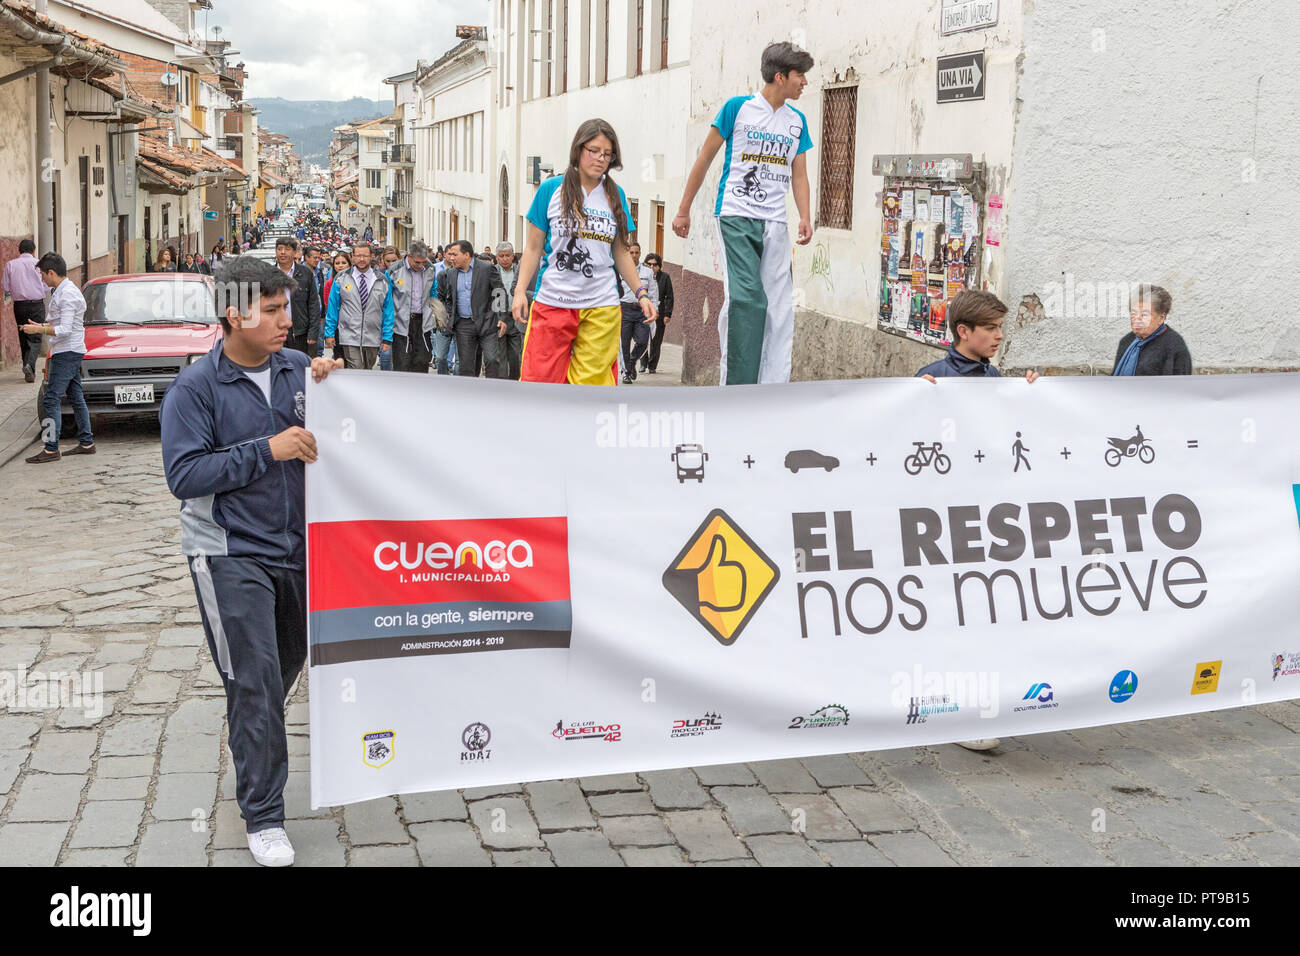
point(578, 257)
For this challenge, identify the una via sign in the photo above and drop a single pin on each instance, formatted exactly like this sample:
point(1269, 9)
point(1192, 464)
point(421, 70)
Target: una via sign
point(961, 77)
point(958, 16)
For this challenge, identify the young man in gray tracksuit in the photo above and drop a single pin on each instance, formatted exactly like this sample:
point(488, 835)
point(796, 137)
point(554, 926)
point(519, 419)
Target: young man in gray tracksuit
point(234, 451)
point(360, 310)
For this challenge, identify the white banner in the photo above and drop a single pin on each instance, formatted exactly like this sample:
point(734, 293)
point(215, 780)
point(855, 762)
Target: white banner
point(683, 577)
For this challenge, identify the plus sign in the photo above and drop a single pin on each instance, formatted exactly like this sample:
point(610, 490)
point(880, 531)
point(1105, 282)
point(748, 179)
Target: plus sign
point(748, 461)
point(1065, 453)
point(980, 456)
point(871, 459)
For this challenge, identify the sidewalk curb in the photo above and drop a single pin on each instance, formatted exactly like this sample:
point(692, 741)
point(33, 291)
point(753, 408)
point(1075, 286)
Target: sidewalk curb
point(11, 435)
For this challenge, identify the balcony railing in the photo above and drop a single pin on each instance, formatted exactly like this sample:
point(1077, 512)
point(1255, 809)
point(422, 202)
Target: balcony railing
point(399, 154)
point(398, 200)
point(233, 144)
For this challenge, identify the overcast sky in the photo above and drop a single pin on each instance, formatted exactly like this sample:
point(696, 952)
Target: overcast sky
point(334, 49)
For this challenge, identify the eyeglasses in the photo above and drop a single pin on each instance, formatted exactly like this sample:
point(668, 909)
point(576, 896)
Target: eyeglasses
point(595, 152)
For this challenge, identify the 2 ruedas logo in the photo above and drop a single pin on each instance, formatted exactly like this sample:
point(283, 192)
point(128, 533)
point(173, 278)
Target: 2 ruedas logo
point(721, 577)
point(394, 563)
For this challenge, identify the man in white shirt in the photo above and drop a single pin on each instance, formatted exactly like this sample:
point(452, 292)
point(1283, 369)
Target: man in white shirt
point(66, 316)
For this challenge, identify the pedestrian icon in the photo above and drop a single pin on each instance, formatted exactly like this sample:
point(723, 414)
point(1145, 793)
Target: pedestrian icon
point(1018, 449)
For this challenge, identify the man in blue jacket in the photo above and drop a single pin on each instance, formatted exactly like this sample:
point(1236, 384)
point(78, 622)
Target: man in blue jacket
point(234, 451)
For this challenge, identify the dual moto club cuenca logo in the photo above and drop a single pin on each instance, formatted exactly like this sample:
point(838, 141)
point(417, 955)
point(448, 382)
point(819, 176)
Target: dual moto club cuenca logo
point(721, 577)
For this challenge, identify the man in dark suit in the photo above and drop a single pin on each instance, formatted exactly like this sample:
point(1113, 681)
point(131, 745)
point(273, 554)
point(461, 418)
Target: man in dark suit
point(1152, 347)
point(304, 301)
point(471, 290)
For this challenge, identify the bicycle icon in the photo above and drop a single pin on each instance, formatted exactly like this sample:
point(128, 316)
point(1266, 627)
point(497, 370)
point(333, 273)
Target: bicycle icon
point(927, 455)
point(749, 187)
point(758, 194)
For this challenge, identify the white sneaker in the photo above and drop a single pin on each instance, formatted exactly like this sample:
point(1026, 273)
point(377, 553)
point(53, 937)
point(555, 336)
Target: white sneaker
point(271, 847)
point(984, 743)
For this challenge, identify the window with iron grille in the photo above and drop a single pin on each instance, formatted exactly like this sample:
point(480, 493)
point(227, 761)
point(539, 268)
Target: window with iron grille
point(550, 34)
point(835, 185)
point(564, 46)
point(604, 76)
point(640, 33)
point(663, 37)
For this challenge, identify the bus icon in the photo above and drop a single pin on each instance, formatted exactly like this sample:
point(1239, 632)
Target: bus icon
point(690, 459)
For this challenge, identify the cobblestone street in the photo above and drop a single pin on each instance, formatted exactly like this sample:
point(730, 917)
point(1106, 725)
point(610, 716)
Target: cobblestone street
point(93, 581)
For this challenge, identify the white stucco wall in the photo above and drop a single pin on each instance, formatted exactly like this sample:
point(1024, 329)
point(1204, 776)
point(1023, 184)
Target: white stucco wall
point(1157, 143)
point(18, 166)
point(647, 112)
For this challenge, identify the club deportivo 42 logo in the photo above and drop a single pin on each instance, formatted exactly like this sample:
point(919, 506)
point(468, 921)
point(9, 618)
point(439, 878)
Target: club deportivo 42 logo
point(587, 730)
point(721, 577)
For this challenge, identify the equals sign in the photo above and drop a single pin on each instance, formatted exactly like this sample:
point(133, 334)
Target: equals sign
point(1192, 443)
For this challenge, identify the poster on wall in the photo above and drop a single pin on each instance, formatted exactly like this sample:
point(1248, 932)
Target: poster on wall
point(993, 227)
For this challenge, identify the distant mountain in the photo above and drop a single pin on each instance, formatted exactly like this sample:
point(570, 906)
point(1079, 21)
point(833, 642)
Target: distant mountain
point(310, 123)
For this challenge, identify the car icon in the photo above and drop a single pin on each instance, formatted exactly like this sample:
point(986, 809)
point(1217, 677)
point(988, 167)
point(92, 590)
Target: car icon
point(690, 459)
point(806, 458)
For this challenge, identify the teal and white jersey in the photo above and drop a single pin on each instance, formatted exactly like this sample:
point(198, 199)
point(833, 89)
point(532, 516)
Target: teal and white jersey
point(761, 144)
point(578, 259)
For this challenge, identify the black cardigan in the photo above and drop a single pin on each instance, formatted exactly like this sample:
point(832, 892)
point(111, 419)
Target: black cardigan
point(1167, 354)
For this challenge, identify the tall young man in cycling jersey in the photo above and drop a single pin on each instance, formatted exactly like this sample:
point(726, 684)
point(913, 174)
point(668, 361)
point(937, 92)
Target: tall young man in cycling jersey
point(766, 139)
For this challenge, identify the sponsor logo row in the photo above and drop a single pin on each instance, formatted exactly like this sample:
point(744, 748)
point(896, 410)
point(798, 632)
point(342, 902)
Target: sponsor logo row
point(379, 748)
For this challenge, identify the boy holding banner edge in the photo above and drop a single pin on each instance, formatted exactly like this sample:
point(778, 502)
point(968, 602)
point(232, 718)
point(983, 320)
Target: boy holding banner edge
point(975, 323)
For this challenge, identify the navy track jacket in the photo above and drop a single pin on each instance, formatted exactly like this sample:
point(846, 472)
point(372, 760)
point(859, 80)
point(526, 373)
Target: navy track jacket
point(216, 430)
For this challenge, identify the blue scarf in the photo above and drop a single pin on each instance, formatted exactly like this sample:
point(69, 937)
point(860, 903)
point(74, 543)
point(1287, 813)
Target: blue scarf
point(1128, 362)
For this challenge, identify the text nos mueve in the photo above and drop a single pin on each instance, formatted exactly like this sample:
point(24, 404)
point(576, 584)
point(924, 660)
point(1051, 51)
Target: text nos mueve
point(1007, 533)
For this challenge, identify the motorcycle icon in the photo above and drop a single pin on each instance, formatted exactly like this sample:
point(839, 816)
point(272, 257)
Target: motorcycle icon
point(927, 455)
point(574, 259)
point(1138, 445)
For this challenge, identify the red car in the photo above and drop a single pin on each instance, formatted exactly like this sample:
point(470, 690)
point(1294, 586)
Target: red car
point(141, 330)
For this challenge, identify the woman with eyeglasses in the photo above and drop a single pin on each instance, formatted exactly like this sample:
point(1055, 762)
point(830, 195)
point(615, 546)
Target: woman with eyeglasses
point(578, 233)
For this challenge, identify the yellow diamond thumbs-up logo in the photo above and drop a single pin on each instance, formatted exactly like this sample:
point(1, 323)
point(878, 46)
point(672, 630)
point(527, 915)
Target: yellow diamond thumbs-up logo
point(721, 577)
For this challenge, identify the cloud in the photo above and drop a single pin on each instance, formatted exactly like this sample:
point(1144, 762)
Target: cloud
point(326, 49)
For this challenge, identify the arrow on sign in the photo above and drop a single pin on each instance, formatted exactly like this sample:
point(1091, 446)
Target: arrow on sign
point(961, 77)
